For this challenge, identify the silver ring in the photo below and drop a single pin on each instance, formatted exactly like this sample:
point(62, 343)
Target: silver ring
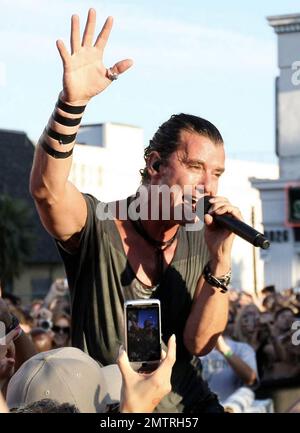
point(112, 75)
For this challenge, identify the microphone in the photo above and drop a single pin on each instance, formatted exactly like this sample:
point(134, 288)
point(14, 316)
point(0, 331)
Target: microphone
point(238, 227)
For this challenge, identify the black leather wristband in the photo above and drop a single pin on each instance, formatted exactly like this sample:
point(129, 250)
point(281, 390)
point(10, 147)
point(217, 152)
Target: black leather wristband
point(71, 109)
point(219, 282)
point(54, 153)
point(65, 121)
point(61, 138)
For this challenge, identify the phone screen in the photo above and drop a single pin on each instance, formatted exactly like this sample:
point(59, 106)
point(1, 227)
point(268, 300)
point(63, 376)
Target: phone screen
point(143, 339)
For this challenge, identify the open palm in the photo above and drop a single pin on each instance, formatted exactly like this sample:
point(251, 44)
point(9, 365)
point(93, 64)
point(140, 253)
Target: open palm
point(84, 72)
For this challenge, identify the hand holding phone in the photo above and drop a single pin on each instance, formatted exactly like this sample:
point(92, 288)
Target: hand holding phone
point(141, 393)
point(143, 333)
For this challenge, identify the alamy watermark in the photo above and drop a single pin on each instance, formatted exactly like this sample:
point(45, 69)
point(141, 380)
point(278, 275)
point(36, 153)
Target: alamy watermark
point(296, 335)
point(2, 334)
point(184, 205)
point(296, 74)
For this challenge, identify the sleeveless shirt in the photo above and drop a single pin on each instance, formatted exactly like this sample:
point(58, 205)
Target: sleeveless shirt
point(101, 279)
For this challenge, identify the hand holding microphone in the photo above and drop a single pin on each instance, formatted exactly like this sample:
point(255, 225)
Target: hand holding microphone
point(237, 226)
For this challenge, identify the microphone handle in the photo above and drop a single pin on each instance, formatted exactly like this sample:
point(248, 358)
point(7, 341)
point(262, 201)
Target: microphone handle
point(243, 230)
point(238, 227)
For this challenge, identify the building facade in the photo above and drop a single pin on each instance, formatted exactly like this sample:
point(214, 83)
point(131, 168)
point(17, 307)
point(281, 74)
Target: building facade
point(282, 260)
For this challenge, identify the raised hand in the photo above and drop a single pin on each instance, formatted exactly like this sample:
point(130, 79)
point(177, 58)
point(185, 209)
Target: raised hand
point(84, 72)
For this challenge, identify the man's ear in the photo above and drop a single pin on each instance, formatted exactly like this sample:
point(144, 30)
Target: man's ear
point(156, 165)
point(153, 163)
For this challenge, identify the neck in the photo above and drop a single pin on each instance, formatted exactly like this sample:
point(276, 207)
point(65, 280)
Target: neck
point(156, 226)
point(160, 230)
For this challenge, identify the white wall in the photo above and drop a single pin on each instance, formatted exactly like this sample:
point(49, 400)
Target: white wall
point(110, 172)
point(236, 186)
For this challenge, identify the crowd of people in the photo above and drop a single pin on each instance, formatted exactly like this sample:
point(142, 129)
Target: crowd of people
point(47, 321)
point(40, 372)
point(266, 324)
point(257, 345)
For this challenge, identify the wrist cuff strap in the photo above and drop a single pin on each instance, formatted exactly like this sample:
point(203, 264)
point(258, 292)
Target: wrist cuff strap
point(66, 121)
point(219, 282)
point(71, 109)
point(228, 354)
point(54, 153)
point(61, 138)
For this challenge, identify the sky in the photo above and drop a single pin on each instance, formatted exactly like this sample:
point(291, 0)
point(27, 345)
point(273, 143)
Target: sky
point(215, 59)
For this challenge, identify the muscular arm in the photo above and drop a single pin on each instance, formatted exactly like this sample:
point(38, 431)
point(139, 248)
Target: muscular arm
point(209, 312)
point(61, 206)
point(208, 316)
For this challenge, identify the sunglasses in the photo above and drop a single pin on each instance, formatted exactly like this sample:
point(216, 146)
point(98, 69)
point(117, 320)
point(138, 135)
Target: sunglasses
point(61, 329)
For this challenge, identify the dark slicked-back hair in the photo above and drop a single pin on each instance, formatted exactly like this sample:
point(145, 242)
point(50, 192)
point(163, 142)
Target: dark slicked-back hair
point(166, 139)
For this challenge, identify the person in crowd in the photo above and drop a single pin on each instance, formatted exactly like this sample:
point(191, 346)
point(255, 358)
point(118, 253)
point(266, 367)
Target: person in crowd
point(23, 346)
point(42, 339)
point(61, 329)
point(247, 325)
point(230, 365)
point(267, 290)
point(36, 305)
point(270, 303)
point(46, 405)
point(108, 261)
point(58, 297)
point(11, 300)
point(283, 320)
point(245, 298)
point(24, 318)
point(7, 357)
point(43, 319)
point(67, 376)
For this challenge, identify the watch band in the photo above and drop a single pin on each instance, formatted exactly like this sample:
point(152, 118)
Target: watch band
point(228, 354)
point(219, 282)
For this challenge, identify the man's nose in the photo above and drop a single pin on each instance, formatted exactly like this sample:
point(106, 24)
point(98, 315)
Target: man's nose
point(208, 184)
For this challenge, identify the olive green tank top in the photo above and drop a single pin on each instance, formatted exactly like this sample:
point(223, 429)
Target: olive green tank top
point(101, 279)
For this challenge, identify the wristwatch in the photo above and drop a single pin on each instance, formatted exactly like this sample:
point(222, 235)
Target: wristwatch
point(219, 282)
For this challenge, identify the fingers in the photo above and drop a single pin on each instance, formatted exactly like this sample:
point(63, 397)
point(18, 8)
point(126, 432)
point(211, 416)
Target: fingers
point(220, 206)
point(63, 52)
point(124, 365)
point(104, 34)
point(171, 353)
point(120, 67)
point(75, 34)
point(208, 219)
point(89, 30)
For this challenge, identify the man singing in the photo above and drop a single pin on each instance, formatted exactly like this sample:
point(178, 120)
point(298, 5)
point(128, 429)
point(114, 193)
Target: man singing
point(111, 260)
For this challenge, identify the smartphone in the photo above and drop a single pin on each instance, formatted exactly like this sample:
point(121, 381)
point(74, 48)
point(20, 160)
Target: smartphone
point(143, 333)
